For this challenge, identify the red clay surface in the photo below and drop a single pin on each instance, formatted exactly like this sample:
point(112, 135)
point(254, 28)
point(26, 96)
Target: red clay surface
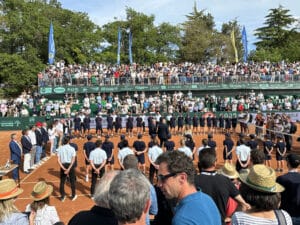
point(49, 171)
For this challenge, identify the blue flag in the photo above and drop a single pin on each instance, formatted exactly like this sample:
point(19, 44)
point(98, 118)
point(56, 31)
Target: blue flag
point(130, 46)
point(51, 45)
point(119, 45)
point(245, 44)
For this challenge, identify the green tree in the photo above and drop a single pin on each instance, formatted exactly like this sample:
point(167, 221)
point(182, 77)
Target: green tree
point(277, 30)
point(227, 48)
point(150, 43)
point(198, 37)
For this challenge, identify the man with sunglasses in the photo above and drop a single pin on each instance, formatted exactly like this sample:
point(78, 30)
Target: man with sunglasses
point(176, 174)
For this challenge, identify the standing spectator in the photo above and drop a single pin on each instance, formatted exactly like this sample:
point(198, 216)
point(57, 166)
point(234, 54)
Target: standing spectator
point(39, 142)
point(9, 214)
point(52, 136)
point(252, 143)
point(130, 205)
point(98, 121)
point(186, 150)
point(87, 148)
point(139, 148)
point(162, 131)
point(15, 156)
point(108, 147)
point(87, 124)
point(228, 148)
point(98, 159)
point(123, 152)
point(268, 148)
point(243, 156)
point(176, 178)
point(77, 125)
point(261, 191)
point(32, 136)
point(169, 144)
point(217, 186)
point(109, 120)
point(40, 208)
point(100, 213)
point(45, 137)
point(66, 159)
point(280, 153)
point(189, 142)
point(210, 142)
point(153, 153)
point(291, 182)
point(131, 162)
point(129, 125)
point(26, 148)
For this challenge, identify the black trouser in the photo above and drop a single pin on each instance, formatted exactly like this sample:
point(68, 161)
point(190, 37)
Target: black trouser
point(287, 139)
point(95, 176)
point(152, 171)
point(63, 178)
point(162, 141)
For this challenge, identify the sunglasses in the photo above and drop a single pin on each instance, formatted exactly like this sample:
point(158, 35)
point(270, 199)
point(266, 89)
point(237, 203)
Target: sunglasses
point(163, 178)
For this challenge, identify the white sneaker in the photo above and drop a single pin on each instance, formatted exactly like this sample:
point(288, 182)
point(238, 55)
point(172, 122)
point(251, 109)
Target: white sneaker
point(74, 198)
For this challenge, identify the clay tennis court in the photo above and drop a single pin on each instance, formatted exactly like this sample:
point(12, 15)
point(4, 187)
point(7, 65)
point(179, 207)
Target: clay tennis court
point(49, 171)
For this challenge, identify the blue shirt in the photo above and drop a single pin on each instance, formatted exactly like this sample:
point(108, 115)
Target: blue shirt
point(153, 207)
point(196, 209)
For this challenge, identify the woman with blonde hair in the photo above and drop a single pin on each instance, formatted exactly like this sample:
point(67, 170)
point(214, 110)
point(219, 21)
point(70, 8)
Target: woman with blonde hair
point(9, 214)
point(40, 209)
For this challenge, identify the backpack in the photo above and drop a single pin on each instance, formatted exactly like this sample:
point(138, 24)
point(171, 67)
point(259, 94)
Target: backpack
point(293, 128)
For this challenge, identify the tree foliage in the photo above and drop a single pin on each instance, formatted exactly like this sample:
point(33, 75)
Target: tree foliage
point(278, 37)
point(150, 43)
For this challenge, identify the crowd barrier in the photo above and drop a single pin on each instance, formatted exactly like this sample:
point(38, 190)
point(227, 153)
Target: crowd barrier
point(19, 123)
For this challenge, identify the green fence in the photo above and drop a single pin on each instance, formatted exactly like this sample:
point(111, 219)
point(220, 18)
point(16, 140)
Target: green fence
point(171, 87)
point(19, 123)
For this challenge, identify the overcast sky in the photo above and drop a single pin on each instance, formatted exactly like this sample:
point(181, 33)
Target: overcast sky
point(249, 13)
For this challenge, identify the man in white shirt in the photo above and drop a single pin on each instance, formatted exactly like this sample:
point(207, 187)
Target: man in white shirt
point(243, 156)
point(123, 152)
point(97, 159)
point(31, 135)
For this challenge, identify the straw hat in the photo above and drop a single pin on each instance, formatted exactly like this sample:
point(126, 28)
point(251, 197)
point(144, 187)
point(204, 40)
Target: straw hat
point(41, 190)
point(228, 170)
point(9, 189)
point(261, 178)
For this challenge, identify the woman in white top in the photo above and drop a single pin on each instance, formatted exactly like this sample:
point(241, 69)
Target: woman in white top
point(186, 150)
point(52, 135)
point(260, 190)
point(40, 209)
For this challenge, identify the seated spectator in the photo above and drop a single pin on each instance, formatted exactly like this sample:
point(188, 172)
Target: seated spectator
point(100, 213)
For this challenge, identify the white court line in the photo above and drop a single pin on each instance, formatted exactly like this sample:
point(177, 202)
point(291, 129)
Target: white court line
point(32, 172)
point(58, 196)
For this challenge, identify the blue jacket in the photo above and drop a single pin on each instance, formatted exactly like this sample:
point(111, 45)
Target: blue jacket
point(15, 152)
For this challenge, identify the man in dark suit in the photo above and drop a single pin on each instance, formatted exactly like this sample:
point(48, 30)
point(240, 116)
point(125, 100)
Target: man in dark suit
point(163, 131)
point(15, 156)
point(45, 138)
point(39, 142)
point(26, 147)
